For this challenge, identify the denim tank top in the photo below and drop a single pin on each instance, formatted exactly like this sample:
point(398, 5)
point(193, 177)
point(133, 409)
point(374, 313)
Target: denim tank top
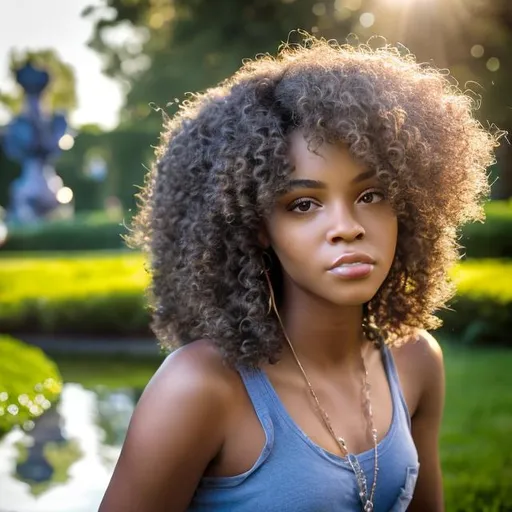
point(293, 474)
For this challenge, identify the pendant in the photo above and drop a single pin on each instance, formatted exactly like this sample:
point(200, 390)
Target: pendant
point(368, 507)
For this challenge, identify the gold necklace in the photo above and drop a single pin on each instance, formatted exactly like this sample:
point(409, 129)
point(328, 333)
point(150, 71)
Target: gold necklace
point(366, 500)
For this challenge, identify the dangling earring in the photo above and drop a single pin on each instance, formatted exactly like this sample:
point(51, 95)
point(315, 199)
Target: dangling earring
point(271, 299)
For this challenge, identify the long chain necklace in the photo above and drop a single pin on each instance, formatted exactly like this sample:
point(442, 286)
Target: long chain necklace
point(366, 499)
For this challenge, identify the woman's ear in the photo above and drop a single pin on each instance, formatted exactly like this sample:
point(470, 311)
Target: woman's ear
point(263, 237)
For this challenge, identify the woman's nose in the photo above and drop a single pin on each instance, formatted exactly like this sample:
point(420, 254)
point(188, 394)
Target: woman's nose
point(344, 227)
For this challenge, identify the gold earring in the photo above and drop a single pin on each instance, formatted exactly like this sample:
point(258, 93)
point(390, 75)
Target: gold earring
point(271, 299)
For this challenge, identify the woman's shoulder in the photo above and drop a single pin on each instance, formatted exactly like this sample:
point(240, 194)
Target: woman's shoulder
point(419, 348)
point(194, 381)
point(419, 363)
point(201, 366)
point(189, 398)
point(178, 427)
point(421, 351)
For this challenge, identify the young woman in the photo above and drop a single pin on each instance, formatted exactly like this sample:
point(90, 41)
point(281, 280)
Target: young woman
point(301, 219)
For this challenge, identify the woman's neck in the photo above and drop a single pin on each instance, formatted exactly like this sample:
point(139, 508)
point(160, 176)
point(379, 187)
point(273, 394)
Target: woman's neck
point(324, 336)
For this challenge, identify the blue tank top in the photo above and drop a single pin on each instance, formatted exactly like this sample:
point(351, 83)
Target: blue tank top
point(293, 474)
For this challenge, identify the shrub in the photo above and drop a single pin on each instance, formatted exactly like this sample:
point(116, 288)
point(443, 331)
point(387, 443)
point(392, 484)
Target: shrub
point(87, 231)
point(492, 239)
point(29, 383)
point(483, 306)
point(95, 230)
point(102, 294)
point(90, 294)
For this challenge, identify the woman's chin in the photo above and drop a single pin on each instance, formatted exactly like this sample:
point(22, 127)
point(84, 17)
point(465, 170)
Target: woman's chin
point(353, 297)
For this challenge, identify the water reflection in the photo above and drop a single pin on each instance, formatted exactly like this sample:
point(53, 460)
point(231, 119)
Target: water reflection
point(65, 462)
point(33, 464)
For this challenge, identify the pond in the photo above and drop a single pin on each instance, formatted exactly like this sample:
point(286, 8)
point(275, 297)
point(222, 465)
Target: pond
point(66, 461)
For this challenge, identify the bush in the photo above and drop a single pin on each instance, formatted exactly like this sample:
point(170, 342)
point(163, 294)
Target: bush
point(95, 230)
point(90, 294)
point(493, 239)
point(29, 383)
point(88, 231)
point(102, 294)
point(483, 306)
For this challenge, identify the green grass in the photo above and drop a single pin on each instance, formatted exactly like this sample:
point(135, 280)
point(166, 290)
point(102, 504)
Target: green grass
point(91, 371)
point(476, 442)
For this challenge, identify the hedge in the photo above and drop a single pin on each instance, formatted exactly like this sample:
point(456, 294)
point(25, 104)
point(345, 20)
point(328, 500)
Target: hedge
point(87, 294)
point(492, 239)
point(102, 294)
point(29, 383)
point(483, 305)
point(90, 231)
point(87, 231)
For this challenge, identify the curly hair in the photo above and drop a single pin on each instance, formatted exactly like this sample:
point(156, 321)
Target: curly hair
point(224, 158)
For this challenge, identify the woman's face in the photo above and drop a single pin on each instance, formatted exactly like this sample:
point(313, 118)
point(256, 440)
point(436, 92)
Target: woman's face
point(333, 230)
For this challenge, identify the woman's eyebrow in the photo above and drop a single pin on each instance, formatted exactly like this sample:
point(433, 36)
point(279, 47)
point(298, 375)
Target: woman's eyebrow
point(304, 183)
point(364, 176)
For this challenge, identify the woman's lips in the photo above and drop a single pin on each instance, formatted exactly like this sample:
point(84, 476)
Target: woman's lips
point(352, 265)
point(352, 270)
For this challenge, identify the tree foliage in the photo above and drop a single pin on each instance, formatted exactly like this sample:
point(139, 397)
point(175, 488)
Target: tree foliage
point(178, 46)
point(192, 44)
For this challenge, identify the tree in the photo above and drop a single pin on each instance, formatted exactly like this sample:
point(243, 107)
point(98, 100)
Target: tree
point(188, 45)
point(472, 39)
point(61, 91)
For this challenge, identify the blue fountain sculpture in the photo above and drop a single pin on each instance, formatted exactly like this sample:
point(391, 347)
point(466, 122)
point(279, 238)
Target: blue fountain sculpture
point(32, 140)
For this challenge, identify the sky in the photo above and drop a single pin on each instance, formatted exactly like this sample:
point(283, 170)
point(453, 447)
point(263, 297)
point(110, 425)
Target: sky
point(39, 24)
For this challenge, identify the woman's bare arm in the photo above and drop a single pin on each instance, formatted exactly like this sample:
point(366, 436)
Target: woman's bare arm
point(176, 430)
point(426, 422)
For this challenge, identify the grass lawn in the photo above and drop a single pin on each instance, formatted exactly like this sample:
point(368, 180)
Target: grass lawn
point(476, 441)
point(113, 372)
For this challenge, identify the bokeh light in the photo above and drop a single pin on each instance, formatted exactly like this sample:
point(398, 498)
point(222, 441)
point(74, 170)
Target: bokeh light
point(367, 19)
point(493, 64)
point(477, 51)
point(65, 195)
point(342, 14)
point(319, 9)
point(66, 142)
point(352, 5)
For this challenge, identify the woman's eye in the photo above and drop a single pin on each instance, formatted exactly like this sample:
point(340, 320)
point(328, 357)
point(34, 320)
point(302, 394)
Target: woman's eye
point(303, 206)
point(373, 196)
